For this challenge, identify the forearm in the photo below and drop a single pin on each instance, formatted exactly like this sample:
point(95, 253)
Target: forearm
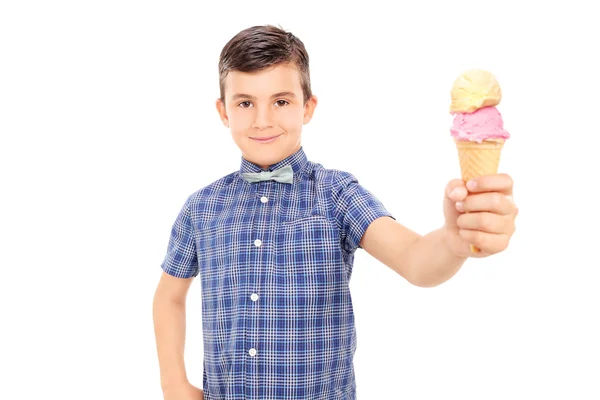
point(431, 261)
point(169, 330)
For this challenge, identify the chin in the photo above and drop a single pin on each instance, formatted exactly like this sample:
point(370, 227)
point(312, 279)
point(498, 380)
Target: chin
point(259, 157)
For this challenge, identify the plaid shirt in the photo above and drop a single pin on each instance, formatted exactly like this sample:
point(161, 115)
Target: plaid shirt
point(275, 261)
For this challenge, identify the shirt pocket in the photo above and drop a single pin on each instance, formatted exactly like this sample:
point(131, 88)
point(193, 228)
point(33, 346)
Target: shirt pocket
point(309, 268)
point(306, 220)
point(308, 244)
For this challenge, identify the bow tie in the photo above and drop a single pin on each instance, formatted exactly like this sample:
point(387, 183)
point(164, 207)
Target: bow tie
point(283, 174)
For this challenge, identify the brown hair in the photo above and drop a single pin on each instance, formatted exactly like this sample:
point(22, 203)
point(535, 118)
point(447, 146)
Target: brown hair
point(260, 47)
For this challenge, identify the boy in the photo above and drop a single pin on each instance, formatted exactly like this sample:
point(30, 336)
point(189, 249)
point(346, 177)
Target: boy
point(274, 242)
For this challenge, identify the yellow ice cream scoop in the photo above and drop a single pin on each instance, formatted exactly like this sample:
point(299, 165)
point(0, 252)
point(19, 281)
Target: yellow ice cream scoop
point(474, 89)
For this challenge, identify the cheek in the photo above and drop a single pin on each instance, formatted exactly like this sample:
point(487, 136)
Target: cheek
point(239, 120)
point(291, 118)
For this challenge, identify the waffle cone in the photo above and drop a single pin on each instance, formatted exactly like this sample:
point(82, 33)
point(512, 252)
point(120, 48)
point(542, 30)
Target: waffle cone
point(478, 159)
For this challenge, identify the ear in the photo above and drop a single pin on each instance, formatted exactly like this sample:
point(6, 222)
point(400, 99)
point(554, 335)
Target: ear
point(309, 109)
point(222, 112)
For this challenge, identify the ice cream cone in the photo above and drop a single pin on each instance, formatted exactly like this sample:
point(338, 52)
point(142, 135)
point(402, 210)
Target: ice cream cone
point(478, 128)
point(478, 159)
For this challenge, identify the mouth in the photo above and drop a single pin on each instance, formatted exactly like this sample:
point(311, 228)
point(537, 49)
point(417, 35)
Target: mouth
point(267, 139)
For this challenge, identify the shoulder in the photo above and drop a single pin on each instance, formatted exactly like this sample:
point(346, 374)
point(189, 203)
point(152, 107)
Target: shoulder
point(212, 190)
point(333, 178)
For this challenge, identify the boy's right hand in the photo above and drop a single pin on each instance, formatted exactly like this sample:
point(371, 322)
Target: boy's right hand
point(183, 392)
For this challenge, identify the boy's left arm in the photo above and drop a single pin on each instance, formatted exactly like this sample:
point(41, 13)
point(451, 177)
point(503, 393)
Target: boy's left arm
point(484, 215)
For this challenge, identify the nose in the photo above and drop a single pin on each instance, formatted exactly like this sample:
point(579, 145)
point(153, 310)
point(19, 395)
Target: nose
point(263, 118)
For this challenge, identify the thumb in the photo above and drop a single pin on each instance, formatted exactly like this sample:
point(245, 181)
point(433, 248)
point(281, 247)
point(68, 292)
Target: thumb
point(455, 191)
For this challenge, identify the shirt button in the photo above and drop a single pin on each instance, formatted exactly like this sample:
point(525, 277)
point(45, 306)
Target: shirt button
point(257, 242)
point(254, 297)
point(264, 199)
point(252, 352)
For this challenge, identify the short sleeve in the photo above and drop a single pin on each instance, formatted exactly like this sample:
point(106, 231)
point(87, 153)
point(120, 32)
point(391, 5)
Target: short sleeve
point(181, 260)
point(354, 208)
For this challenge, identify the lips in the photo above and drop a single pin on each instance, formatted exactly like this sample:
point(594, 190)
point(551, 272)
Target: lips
point(265, 138)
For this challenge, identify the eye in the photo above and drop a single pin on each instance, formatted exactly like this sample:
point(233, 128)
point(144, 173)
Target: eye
point(244, 104)
point(281, 103)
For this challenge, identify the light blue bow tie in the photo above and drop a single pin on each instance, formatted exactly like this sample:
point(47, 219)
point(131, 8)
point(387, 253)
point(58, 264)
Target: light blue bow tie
point(283, 174)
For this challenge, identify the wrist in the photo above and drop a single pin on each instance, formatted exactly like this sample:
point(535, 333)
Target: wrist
point(452, 243)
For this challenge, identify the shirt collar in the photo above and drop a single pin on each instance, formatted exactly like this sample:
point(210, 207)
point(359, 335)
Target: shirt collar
point(298, 161)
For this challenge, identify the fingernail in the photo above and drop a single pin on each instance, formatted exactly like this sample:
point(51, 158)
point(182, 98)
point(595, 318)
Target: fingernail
point(459, 206)
point(454, 192)
point(471, 185)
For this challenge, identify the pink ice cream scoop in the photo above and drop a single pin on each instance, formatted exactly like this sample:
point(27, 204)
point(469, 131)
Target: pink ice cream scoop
point(482, 124)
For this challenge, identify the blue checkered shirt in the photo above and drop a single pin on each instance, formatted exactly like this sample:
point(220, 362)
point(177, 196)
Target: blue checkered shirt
point(275, 261)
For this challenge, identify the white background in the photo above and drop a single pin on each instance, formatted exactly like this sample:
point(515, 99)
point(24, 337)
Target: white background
point(107, 124)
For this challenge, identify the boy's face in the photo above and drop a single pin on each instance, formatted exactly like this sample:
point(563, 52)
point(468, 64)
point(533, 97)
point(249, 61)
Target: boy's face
point(264, 104)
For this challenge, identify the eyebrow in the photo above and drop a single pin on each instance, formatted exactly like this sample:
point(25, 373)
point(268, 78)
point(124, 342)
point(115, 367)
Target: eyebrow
point(247, 96)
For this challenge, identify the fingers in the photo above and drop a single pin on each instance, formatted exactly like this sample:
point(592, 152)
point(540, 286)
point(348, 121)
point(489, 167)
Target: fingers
point(502, 183)
point(487, 242)
point(487, 222)
point(456, 190)
point(494, 202)
point(487, 211)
